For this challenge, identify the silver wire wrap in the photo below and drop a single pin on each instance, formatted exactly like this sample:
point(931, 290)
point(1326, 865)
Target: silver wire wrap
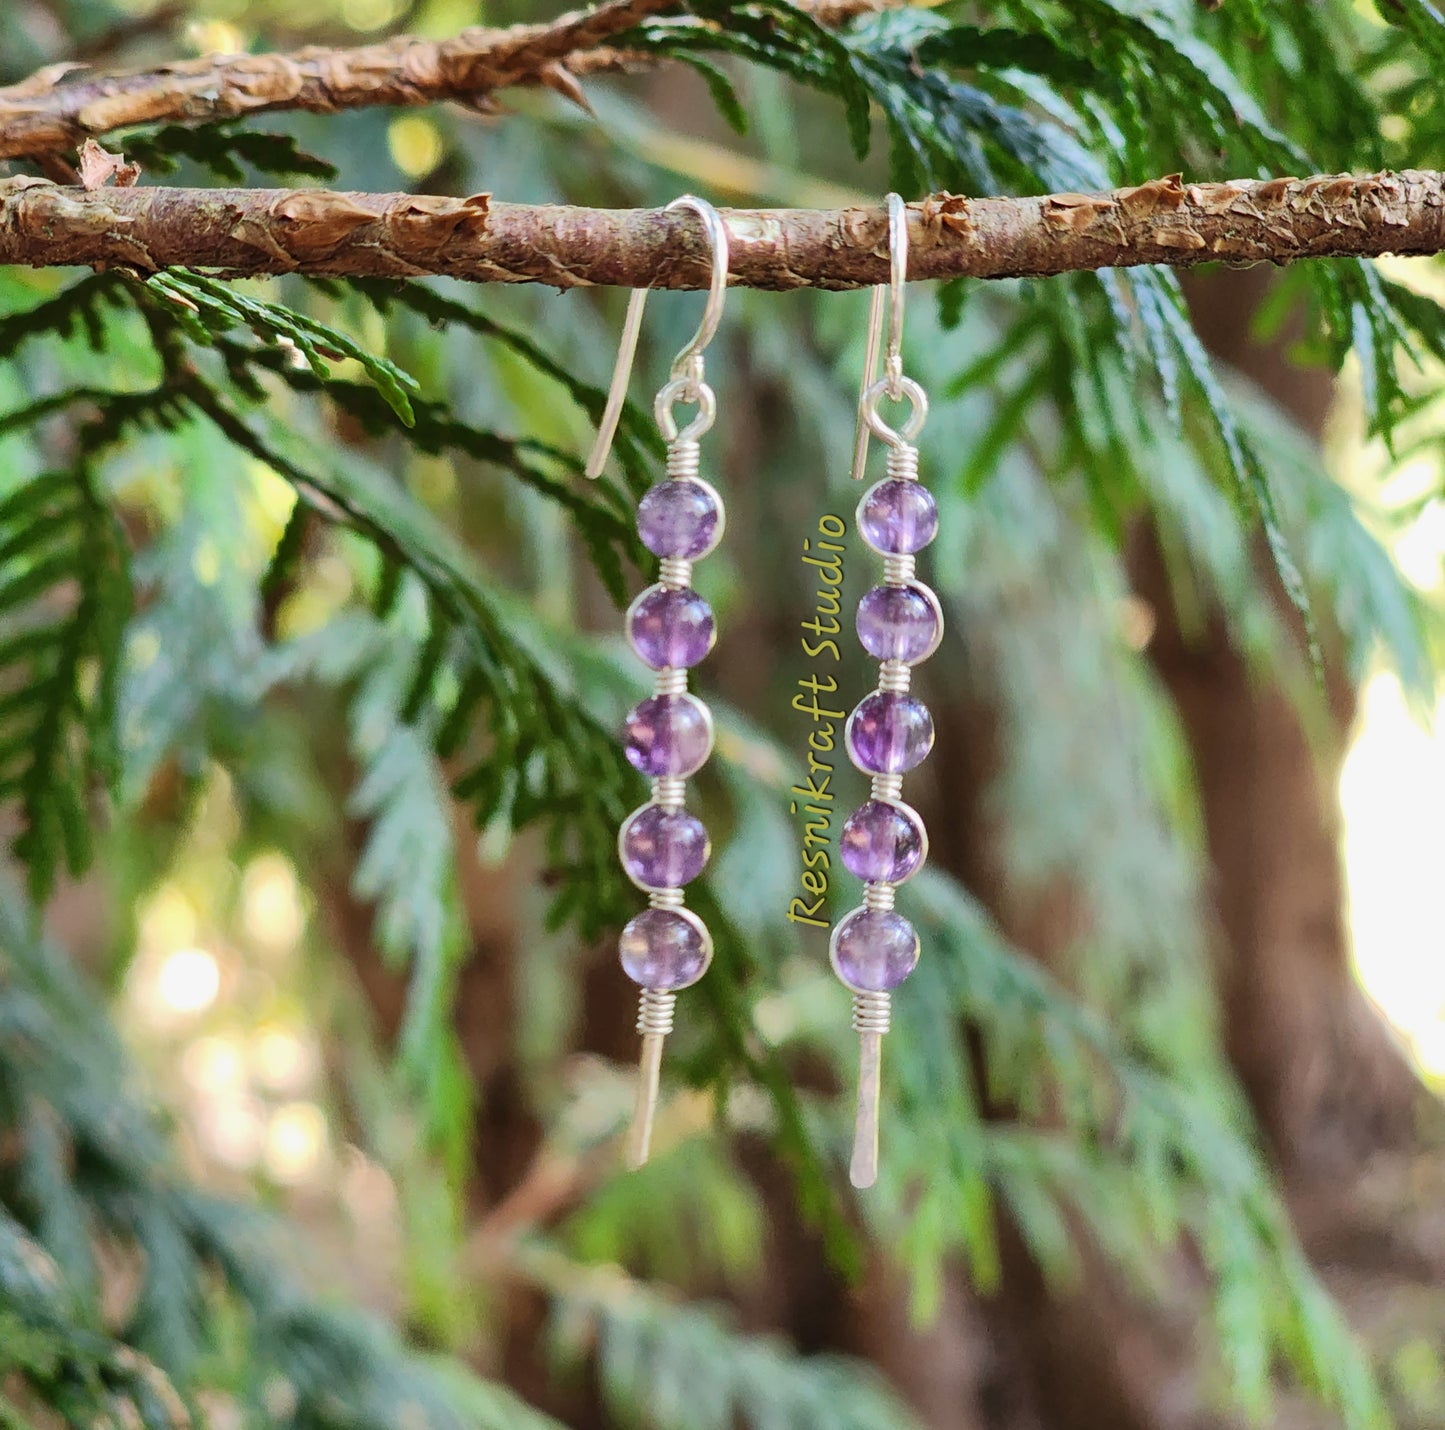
point(654, 1012)
point(894, 677)
point(903, 462)
point(686, 385)
point(899, 568)
point(872, 1012)
point(688, 388)
point(683, 460)
point(878, 897)
point(889, 787)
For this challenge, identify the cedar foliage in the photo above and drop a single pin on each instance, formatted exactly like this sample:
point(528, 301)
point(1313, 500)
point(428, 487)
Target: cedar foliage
point(1068, 409)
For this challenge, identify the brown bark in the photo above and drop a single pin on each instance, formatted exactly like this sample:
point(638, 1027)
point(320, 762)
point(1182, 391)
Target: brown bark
point(1328, 1082)
point(50, 111)
point(46, 113)
point(243, 232)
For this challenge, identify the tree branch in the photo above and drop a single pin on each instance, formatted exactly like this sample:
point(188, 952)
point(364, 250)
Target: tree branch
point(47, 112)
point(244, 232)
point(50, 111)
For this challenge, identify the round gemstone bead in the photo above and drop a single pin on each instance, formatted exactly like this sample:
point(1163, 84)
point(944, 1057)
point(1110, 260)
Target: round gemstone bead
point(898, 516)
point(874, 950)
point(899, 623)
point(668, 735)
point(680, 517)
point(882, 842)
point(664, 948)
point(670, 627)
point(663, 848)
point(889, 734)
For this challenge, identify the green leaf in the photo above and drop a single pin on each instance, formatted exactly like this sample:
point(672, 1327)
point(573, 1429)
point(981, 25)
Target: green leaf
point(218, 146)
point(63, 608)
point(219, 306)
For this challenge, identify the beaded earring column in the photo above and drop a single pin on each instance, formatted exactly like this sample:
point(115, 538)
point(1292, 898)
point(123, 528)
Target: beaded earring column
point(669, 735)
point(900, 623)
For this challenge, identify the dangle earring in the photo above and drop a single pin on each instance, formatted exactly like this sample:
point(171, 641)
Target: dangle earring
point(873, 948)
point(669, 735)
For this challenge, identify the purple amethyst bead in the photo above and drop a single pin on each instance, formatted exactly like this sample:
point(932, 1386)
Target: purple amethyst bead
point(883, 842)
point(663, 848)
point(899, 623)
point(670, 627)
point(664, 948)
point(668, 735)
point(889, 734)
point(680, 517)
point(874, 950)
point(898, 516)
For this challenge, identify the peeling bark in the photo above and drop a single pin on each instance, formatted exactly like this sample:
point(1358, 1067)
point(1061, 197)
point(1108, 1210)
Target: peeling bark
point(50, 112)
point(244, 232)
point(53, 110)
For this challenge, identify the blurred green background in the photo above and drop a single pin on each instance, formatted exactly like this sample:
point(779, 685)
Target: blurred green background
point(315, 1058)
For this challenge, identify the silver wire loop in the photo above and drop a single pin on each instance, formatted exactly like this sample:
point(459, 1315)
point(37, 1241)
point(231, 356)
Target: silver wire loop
point(690, 357)
point(893, 383)
point(686, 377)
point(908, 391)
point(684, 389)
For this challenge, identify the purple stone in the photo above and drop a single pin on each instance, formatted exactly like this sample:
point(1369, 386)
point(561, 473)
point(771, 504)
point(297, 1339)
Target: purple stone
point(669, 735)
point(680, 517)
point(898, 623)
point(882, 842)
point(663, 848)
point(874, 950)
point(898, 516)
point(670, 627)
point(889, 734)
point(664, 948)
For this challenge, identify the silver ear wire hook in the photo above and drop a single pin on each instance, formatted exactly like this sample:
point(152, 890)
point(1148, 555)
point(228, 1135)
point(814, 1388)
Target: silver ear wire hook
point(686, 381)
point(893, 383)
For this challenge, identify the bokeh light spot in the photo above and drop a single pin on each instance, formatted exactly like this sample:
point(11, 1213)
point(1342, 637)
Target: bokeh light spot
point(415, 144)
point(1392, 795)
point(271, 903)
point(213, 1066)
point(283, 1061)
point(189, 980)
point(295, 1142)
point(168, 920)
point(215, 37)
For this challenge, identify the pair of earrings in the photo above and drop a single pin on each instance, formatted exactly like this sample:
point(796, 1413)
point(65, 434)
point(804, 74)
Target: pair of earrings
point(669, 735)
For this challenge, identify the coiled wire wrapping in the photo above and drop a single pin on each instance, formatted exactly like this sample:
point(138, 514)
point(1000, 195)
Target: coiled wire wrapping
point(671, 680)
point(903, 462)
point(665, 898)
point(683, 459)
point(674, 572)
point(872, 1012)
point(654, 1012)
point(878, 897)
point(894, 677)
point(899, 569)
point(887, 787)
point(668, 791)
